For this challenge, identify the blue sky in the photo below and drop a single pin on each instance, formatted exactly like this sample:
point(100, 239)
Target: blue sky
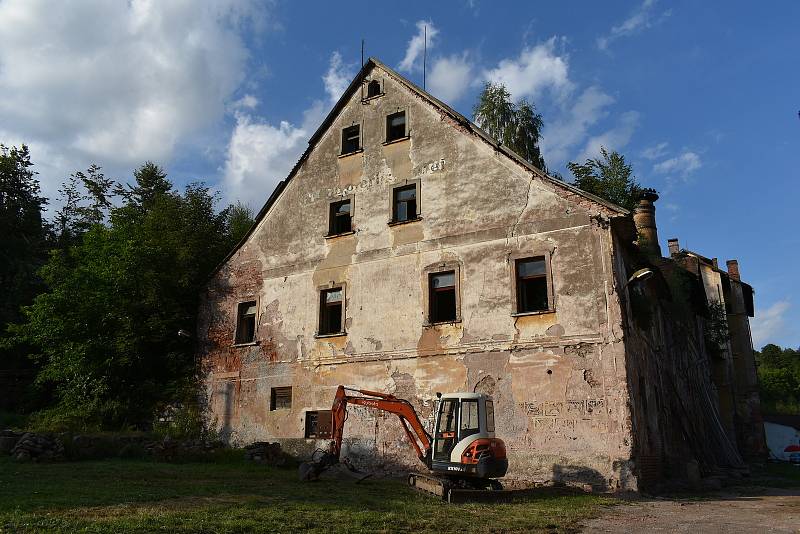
point(701, 97)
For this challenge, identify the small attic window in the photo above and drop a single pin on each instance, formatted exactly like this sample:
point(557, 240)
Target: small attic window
point(373, 88)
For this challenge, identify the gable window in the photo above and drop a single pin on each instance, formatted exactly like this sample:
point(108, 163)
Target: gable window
point(331, 311)
point(351, 139)
point(396, 126)
point(532, 286)
point(339, 218)
point(318, 424)
point(246, 322)
point(404, 201)
point(280, 398)
point(373, 88)
point(442, 297)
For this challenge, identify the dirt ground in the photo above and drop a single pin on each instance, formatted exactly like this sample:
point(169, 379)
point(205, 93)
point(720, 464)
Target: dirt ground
point(740, 510)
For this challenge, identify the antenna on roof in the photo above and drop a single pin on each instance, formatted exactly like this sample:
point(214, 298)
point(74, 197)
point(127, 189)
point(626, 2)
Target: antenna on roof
point(424, 53)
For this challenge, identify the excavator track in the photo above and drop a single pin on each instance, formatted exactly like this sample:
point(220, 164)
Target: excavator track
point(447, 490)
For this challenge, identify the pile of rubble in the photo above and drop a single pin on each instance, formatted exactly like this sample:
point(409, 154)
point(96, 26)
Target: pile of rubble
point(169, 450)
point(37, 448)
point(263, 452)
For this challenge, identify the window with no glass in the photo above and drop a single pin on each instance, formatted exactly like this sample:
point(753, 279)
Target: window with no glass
point(351, 139)
point(373, 88)
point(396, 126)
point(442, 297)
point(405, 203)
point(280, 398)
point(318, 424)
point(532, 293)
point(331, 308)
point(340, 220)
point(246, 322)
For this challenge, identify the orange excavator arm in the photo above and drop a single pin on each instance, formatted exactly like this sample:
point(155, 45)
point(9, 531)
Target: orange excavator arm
point(415, 431)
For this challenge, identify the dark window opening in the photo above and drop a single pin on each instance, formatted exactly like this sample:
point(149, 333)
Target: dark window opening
point(351, 139)
point(373, 88)
point(330, 311)
point(532, 285)
point(340, 220)
point(405, 203)
point(442, 297)
point(280, 398)
point(318, 424)
point(395, 126)
point(246, 323)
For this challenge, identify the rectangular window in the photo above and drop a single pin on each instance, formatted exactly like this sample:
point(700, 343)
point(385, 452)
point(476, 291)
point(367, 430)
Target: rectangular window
point(489, 416)
point(405, 203)
point(469, 418)
point(280, 398)
point(331, 308)
point(246, 322)
point(532, 294)
point(396, 126)
point(318, 424)
point(351, 139)
point(446, 430)
point(442, 297)
point(339, 219)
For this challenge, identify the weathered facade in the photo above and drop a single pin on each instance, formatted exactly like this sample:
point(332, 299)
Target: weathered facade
point(340, 281)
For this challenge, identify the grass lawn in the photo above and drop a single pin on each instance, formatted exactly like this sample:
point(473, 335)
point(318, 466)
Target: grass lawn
point(234, 496)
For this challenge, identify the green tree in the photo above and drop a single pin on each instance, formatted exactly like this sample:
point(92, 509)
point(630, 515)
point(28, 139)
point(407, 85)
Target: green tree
point(517, 126)
point(240, 219)
point(779, 379)
point(609, 177)
point(23, 238)
point(105, 330)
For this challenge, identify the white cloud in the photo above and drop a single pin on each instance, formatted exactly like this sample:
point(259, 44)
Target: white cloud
point(683, 165)
point(246, 102)
point(259, 156)
point(450, 77)
point(643, 17)
point(614, 139)
point(536, 70)
point(416, 46)
point(337, 78)
point(571, 128)
point(768, 323)
point(117, 83)
point(656, 151)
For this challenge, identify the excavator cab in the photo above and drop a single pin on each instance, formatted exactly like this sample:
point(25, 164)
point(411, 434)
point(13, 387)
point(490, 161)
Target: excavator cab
point(464, 442)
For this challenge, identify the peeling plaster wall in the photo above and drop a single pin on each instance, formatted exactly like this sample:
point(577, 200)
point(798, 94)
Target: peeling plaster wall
point(558, 379)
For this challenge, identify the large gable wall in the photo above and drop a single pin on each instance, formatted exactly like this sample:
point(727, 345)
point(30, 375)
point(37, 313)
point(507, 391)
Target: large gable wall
point(556, 378)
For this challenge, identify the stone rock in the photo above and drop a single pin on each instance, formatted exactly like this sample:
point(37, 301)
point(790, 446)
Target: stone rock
point(263, 452)
point(38, 448)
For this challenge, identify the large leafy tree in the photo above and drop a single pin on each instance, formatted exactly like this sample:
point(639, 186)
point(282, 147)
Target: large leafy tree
point(608, 177)
point(106, 328)
point(516, 125)
point(779, 379)
point(23, 237)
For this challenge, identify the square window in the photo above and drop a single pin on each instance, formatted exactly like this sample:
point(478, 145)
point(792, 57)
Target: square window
point(340, 219)
point(532, 293)
point(351, 139)
point(318, 424)
point(331, 308)
point(405, 203)
point(442, 297)
point(396, 126)
point(246, 322)
point(280, 398)
point(373, 88)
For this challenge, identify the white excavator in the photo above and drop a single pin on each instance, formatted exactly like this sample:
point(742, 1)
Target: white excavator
point(463, 451)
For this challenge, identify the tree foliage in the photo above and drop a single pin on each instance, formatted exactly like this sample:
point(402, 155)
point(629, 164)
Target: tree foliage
point(608, 177)
point(779, 379)
point(23, 238)
point(517, 126)
point(126, 280)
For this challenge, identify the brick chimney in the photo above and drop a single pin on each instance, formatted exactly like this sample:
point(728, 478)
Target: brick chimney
point(674, 247)
point(733, 269)
point(644, 217)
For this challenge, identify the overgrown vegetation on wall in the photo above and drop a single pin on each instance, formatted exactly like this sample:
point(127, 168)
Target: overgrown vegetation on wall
point(779, 380)
point(123, 275)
